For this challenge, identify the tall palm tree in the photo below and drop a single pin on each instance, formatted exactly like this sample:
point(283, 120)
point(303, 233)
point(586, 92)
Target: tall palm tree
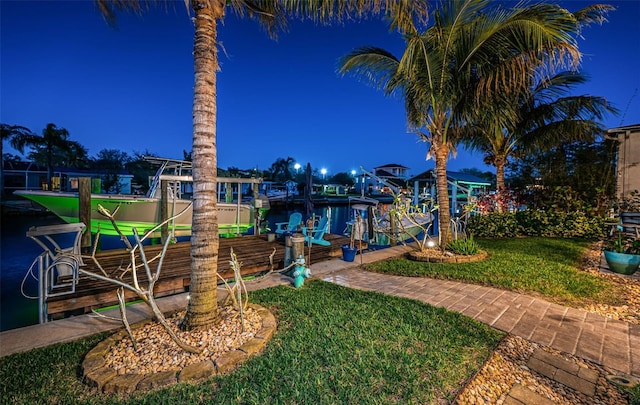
point(17, 136)
point(473, 49)
point(201, 310)
point(537, 118)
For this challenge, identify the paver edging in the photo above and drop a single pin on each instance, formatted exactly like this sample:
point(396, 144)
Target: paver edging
point(106, 380)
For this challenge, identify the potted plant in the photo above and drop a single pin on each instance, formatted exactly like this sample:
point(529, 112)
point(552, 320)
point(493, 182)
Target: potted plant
point(622, 252)
point(349, 250)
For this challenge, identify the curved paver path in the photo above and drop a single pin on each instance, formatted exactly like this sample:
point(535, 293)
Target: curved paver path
point(612, 343)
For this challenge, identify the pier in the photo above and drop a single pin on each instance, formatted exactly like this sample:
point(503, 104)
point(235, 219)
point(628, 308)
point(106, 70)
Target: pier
point(251, 251)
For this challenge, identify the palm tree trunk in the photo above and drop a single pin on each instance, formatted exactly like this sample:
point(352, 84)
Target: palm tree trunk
point(499, 163)
point(202, 307)
point(444, 215)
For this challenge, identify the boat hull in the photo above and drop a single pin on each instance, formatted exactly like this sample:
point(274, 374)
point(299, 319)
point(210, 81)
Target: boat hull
point(141, 213)
point(382, 238)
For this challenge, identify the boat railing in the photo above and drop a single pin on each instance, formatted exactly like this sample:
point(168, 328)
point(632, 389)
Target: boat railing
point(58, 267)
point(168, 167)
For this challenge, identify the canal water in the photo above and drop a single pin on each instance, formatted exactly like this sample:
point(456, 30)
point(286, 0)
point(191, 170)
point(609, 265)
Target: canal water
point(18, 252)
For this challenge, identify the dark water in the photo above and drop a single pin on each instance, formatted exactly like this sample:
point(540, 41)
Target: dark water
point(18, 252)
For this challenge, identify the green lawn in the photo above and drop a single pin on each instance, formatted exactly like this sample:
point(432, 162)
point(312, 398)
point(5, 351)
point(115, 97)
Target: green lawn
point(333, 345)
point(542, 265)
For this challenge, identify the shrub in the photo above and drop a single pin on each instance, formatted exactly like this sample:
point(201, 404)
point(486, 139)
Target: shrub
point(538, 223)
point(493, 225)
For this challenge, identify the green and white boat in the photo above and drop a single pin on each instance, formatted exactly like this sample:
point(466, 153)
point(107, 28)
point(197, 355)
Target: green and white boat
point(235, 215)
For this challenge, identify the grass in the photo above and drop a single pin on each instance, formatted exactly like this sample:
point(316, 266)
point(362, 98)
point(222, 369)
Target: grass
point(333, 345)
point(541, 265)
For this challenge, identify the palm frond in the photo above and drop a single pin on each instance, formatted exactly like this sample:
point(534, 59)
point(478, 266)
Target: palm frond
point(595, 13)
point(374, 65)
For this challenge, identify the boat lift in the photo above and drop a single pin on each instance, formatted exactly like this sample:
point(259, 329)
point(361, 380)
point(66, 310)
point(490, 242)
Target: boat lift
point(58, 267)
point(394, 188)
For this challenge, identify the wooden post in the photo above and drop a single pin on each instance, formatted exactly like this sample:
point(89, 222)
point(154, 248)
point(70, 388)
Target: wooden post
point(164, 210)
point(257, 205)
point(84, 211)
point(297, 240)
point(228, 195)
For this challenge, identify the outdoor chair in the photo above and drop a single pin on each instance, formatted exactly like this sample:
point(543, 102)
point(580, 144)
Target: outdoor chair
point(316, 234)
point(295, 220)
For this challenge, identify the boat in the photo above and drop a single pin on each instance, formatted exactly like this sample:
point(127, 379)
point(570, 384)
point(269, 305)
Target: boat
point(277, 192)
point(372, 223)
point(236, 215)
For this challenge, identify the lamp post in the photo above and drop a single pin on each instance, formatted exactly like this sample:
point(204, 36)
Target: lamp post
point(355, 181)
point(324, 172)
point(297, 167)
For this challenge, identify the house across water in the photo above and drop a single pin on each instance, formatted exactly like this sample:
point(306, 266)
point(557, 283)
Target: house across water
point(20, 175)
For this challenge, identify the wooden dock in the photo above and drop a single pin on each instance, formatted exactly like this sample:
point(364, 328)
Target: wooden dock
point(252, 251)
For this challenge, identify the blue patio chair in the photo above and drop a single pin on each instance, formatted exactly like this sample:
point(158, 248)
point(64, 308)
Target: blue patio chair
point(316, 234)
point(292, 226)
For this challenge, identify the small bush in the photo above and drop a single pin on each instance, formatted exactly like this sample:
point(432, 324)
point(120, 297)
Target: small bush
point(463, 246)
point(493, 225)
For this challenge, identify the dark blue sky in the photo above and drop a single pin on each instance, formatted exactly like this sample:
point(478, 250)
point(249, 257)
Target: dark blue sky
point(130, 88)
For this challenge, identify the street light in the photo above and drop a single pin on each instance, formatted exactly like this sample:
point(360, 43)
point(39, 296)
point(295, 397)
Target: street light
point(353, 173)
point(324, 172)
point(297, 167)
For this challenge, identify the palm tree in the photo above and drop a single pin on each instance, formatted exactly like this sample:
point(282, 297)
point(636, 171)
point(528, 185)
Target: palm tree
point(17, 136)
point(536, 119)
point(281, 169)
point(201, 310)
point(52, 148)
point(472, 50)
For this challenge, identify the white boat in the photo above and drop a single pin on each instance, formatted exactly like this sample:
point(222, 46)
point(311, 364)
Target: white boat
point(371, 222)
point(278, 191)
point(235, 216)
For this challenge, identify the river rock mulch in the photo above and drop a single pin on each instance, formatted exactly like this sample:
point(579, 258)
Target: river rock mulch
point(157, 352)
